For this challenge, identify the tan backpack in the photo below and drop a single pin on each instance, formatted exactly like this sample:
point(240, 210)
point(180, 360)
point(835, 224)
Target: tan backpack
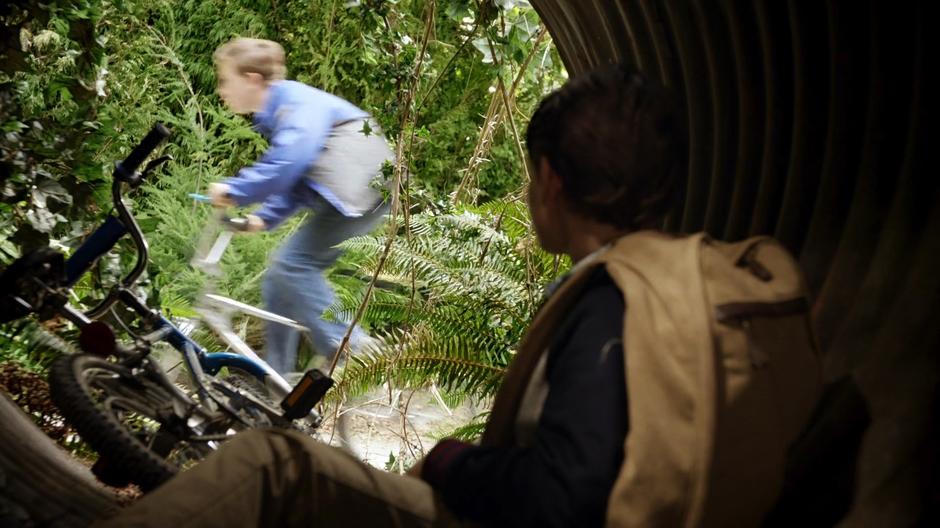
point(722, 374)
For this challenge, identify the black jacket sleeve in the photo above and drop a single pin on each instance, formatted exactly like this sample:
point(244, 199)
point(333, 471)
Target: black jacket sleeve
point(566, 477)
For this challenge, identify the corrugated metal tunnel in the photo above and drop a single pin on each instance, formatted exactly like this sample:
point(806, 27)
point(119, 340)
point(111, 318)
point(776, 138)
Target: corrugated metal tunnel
point(808, 122)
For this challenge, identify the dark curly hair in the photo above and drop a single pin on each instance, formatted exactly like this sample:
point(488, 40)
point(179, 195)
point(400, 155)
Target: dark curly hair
point(618, 141)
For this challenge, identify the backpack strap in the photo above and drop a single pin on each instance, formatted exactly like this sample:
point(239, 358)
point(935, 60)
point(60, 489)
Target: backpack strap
point(500, 428)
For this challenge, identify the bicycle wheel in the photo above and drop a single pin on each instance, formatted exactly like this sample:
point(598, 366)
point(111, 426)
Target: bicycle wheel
point(250, 386)
point(143, 428)
point(245, 382)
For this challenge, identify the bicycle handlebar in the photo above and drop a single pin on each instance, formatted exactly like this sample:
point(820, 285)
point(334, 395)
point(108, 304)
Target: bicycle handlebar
point(237, 223)
point(126, 170)
point(231, 223)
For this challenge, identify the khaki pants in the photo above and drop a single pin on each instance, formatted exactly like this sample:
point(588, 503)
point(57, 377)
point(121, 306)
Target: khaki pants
point(274, 478)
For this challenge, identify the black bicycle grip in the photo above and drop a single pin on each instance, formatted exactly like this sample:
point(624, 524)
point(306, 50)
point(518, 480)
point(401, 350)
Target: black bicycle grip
point(126, 169)
point(235, 223)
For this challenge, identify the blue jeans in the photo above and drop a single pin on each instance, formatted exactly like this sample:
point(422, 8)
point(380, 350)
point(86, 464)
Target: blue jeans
point(294, 285)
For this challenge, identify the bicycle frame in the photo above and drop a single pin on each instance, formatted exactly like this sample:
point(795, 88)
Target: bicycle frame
point(196, 358)
point(215, 311)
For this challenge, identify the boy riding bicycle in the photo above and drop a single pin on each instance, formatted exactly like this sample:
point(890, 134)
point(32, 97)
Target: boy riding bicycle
point(324, 153)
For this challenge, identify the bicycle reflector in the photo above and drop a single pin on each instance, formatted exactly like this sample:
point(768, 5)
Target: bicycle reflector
point(307, 393)
point(98, 339)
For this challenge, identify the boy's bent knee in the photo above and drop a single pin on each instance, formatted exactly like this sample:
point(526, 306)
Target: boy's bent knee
point(268, 444)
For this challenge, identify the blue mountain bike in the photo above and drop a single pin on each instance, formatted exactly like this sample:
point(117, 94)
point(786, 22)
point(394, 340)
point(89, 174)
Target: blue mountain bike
point(143, 423)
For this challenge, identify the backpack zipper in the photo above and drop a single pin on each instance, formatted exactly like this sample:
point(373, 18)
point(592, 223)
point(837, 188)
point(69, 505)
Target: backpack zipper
point(740, 315)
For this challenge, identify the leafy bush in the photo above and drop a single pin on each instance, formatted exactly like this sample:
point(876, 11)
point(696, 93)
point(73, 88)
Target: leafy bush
point(457, 292)
point(83, 80)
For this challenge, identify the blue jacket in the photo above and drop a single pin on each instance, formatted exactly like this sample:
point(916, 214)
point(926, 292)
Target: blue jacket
point(296, 120)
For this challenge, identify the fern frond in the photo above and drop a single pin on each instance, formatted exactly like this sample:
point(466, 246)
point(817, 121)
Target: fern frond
point(417, 357)
point(469, 432)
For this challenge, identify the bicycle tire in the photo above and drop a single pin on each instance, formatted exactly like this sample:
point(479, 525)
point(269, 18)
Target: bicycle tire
point(247, 382)
point(99, 428)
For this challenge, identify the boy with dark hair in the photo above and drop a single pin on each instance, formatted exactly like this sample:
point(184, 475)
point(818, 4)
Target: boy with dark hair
point(607, 153)
point(579, 434)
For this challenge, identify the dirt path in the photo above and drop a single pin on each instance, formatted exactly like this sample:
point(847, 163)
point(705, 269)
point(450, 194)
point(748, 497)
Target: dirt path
point(401, 428)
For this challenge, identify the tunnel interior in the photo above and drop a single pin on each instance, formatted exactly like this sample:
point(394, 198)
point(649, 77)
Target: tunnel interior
point(808, 122)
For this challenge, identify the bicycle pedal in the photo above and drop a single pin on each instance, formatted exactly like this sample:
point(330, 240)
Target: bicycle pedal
point(306, 393)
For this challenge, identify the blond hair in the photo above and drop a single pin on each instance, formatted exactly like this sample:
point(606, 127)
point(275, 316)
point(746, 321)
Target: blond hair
point(250, 55)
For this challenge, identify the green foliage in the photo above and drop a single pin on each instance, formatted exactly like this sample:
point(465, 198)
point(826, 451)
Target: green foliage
point(83, 80)
point(470, 431)
point(31, 345)
point(456, 296)
point(82, 65)
point(50, 85)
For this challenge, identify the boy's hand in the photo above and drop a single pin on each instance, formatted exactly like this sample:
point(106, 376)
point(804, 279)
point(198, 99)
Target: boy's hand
point(255, 223)
point(415, 470)
point(218, 193)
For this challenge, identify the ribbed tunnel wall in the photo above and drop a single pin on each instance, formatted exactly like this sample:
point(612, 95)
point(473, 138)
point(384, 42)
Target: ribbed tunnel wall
point(808, 121)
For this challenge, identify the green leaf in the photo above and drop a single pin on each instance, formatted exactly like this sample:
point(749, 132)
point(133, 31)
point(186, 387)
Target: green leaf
point(483, 46)
point(42, 220)
point(49, 189)
point(366, 128)
point(457, 10)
